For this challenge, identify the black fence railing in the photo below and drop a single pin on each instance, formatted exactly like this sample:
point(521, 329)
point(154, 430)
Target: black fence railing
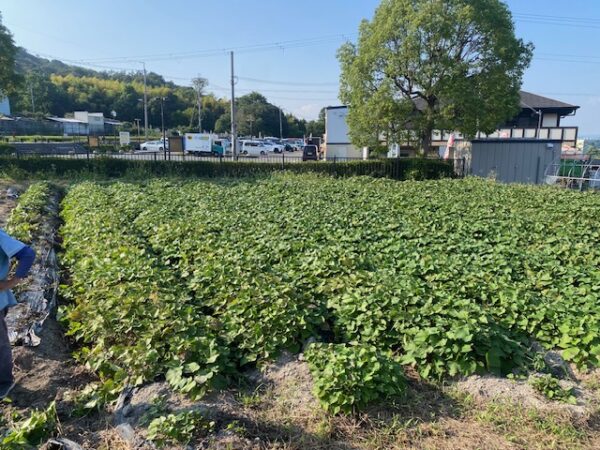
point(66, 160)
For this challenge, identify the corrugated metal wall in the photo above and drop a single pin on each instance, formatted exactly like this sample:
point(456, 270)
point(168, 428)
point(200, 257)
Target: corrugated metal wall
point(514, 161)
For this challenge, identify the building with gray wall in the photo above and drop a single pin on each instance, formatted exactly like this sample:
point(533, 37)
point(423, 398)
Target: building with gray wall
point(514, 161)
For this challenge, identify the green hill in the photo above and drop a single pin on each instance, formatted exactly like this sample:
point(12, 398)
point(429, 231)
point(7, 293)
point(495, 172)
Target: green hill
point(51, 87)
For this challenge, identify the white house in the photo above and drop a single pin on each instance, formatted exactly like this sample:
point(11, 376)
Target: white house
point(539, 118)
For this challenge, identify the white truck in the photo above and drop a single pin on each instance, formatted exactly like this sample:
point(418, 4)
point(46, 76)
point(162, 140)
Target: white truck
point(201, 144)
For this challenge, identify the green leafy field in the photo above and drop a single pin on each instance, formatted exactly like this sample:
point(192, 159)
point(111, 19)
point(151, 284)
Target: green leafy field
point(199, 280)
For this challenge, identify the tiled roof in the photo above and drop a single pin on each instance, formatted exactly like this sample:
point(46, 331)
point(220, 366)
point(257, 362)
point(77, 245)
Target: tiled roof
point(537, 101)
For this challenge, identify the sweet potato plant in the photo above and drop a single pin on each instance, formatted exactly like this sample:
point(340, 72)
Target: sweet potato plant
point(195, 281)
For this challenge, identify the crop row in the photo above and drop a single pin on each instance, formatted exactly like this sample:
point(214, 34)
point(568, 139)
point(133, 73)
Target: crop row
point(25, 219)
point(197, 280)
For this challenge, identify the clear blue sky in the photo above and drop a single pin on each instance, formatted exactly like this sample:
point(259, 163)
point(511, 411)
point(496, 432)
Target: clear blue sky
point(566, 65)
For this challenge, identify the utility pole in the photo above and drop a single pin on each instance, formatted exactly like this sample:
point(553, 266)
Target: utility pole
point(137, 122)
point(233, 124)
point(280, 125)
point(145, 104)
point(32, 100)
point(251, 121)
point(199, 112)
point(162, 125)
point(199, 84)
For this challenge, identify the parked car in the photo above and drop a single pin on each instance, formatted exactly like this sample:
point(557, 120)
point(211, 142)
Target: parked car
point(310, 153)
point(297, 145)
point(253, 148)
point(153, 146)
point(273, 146)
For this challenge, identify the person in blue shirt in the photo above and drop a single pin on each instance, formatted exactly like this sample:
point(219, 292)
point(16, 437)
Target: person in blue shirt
point(10, 248)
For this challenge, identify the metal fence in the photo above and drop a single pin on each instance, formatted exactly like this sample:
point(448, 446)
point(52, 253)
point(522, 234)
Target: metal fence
point(580, 174)
point(33, 156)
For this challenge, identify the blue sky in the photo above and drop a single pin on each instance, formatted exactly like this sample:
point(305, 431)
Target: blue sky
point(300, 74)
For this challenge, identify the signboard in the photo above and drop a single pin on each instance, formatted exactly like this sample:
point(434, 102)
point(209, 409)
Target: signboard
point(124, 138)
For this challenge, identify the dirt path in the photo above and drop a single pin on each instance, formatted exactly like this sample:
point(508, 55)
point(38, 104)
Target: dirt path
point(44, 373)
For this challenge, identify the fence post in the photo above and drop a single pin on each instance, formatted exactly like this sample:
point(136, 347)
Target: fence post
point(155, 157)
point(283, 159)
point(87, 153)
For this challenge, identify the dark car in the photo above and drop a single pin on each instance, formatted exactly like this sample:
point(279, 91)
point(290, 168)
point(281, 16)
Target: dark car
point(310, 153)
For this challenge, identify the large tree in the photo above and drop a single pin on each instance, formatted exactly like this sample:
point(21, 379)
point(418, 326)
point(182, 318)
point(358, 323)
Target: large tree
point(9, 80)
point(422, 65)
point(316, 128)
point(254, 116)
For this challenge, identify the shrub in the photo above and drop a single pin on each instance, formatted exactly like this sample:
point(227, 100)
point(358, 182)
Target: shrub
point(398, 169)
point(6, 150)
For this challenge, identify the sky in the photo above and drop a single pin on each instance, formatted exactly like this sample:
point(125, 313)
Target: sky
point(286, 49)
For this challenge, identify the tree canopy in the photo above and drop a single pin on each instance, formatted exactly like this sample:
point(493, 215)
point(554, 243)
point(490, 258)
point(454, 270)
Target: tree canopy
point(58, 89)
point(422, 65)
point(8, 77)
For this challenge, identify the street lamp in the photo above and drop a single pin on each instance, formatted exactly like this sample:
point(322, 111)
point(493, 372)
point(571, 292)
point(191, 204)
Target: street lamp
point(113, 113)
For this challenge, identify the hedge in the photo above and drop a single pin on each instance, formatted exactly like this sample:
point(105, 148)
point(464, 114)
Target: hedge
point(398, 169)
point(6, 150)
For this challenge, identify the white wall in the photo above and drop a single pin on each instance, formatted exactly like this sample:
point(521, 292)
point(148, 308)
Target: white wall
point(550, 120)
point(95, 121)
point(336, 128)
point(342, 151)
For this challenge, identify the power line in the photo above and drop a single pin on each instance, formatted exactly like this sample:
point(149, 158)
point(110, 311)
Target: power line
point(284, 91)
point(575, 61)
point(559, 18)
point(281, 45)
point(557, 22)
point(287, 83)
point(574, 94)
point(565, 55)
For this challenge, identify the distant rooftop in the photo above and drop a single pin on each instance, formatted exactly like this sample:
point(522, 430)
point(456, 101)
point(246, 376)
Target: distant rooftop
point(64, 120)
point(528, 100)
point(537, 101)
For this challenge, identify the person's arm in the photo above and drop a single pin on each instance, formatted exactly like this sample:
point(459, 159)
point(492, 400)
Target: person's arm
point(9, 284)
point(26, 257)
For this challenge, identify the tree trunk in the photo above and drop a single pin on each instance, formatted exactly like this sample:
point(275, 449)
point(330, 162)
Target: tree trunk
point(426, 140)
point(428, 126)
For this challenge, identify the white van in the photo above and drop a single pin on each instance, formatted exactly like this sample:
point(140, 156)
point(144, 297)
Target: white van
point(253, 148)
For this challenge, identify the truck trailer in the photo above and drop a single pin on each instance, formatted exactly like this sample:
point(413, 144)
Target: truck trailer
point(202, 145)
